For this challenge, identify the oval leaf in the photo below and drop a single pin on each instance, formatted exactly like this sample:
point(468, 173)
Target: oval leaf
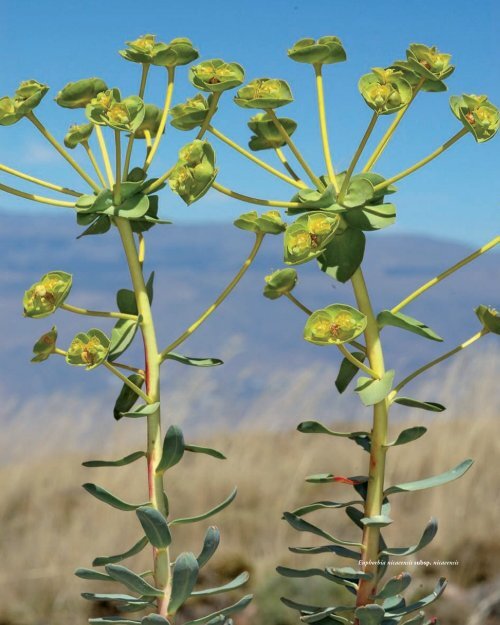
point(343, 255)
point(424, 405)
point(132, 581)
point(185, 574)
point(404, 322)
point(173, 448)
point(394, 586)
point(155, 526)
point(348, 371)
point(91, 574)
point(210, 544)
point(427, 536)
point(370, 614)
point(408, 435)
point(373, 391)
point(122, 336)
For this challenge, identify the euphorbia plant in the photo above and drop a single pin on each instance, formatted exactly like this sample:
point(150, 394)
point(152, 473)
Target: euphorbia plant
point(331, 212)
point(123, 200)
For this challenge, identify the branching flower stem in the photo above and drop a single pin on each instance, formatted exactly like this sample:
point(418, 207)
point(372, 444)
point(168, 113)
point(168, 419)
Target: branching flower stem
point(94, 163)
point(390, 131)
point(255, 159)
point(36, 198)
point(288, 167)
point(438, 360)
point(378, 449)
point(127, 382)
point(488, 246)
point(210, 113)
point(38, 124)
point(38, 181)
point(130, 144)
point(286, 137)
point(118, 169)
point(323, 126)
point(357, 363)
point(243, 269)
point(163, 121)
point(97, 313)
point(105, 155)
point(254, 200)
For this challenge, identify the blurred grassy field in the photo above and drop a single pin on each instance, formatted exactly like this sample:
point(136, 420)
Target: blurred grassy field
point(50, 526)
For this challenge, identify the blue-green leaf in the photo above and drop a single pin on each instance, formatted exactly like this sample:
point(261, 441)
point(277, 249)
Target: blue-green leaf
point(112, 620)
point(408, 435)
point(370, 614)
point(194, 362)
point(210, 619)
point(394, 586)
point(115, 463)
point(206, 515)
point(144, 410)
point(320, 505)
point(155, 526)
point(315, 427)
point(429, 532)
point(428, 599)
point(404, 322)
point(205, 450)
point(336, 549)
point(210, 544)
point(92, 574)
point(379, 520)
point(431, 406)
point(185, 574)
point(122, 336)
point(238, 581)
point(91, 596)
point(173, 448)
point(348, 371)
point(373, 391)
point(419, 620)
point(154, 619)
point(103, 495)
point(304, 526)
point(138, 547)
point(132, 581)
point(301, 607)
point(430, 482)
point(125, 300)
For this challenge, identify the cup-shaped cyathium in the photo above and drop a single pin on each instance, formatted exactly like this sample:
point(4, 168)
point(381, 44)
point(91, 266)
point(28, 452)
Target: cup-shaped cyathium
point(88, 349)
point(323, 51)
point(269, 222)
point(308, 235)
point(385, 91)
point(78, 133)
point(78, 94)
point(216, 75)
point(279, 283)
point(45, 346)
point(266, 135)
point(28, 96)
point(429, 62)
point(477, 114)
point(194, 172)
point(145, 49)
point(489, 317)
point(47, 295)
point(8, 112)
point(335, 324)
point(264, 93)
point(191, 113)
point(108, 109)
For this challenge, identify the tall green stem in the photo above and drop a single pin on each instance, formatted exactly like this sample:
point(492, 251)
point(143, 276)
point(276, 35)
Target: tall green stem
point(152, 379)
point(128, 153)
point(38, 124)
point(323, 126)
point(375, 494)
point(118, 169)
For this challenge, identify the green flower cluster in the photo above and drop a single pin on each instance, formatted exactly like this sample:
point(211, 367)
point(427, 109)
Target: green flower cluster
point(335, 324)
point(45, 296)
point(307, 237)
point(27, 96)
point(194, 172)
point(146, 50)
point(477, 114)
point(385, 91)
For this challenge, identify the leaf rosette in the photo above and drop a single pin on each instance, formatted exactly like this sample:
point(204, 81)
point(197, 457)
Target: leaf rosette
point(429, 62)
point(46, 296)
point(194, 172)
point(28, 96)
point(489, 317)
point(45, 346)
point(267, 223)
point(477, 114)
point(264, 93)
point(78, 94)
point(385, 91)
point(307, 237)
point(266, 136)
point(280, 283)
point(78, 133)
point(191, 113)
point(216, 75)
point(88, 349)
point(335, 324)
point(325, 50)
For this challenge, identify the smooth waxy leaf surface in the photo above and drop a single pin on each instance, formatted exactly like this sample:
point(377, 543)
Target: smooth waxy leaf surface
point(427, 536)
point(206, 515)
point(185, 574)
point(218, 617)
point(115, 463)
point(372, 391)
point(404, 322)
point(210, 544)
point(194, 362)
point(430, 482)
point(155, 526)
point(394, 586)
point(132, 581)
point(173, 448)
point(103, 495)
point(137, 548)
point(408, 435)
point(238, 581)
point(205, 450)
point(370, 615)
point(424, 405)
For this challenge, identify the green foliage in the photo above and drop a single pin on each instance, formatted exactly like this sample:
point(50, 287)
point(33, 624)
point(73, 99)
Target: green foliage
point(80, 93)
point(194, 172)
point(335, 324)
point(264, 93)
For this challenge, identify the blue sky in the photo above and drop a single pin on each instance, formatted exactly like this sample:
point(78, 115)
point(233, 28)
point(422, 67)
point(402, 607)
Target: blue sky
point(456, 197)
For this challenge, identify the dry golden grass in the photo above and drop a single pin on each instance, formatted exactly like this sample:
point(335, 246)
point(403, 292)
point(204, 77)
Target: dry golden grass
point(50, 526)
